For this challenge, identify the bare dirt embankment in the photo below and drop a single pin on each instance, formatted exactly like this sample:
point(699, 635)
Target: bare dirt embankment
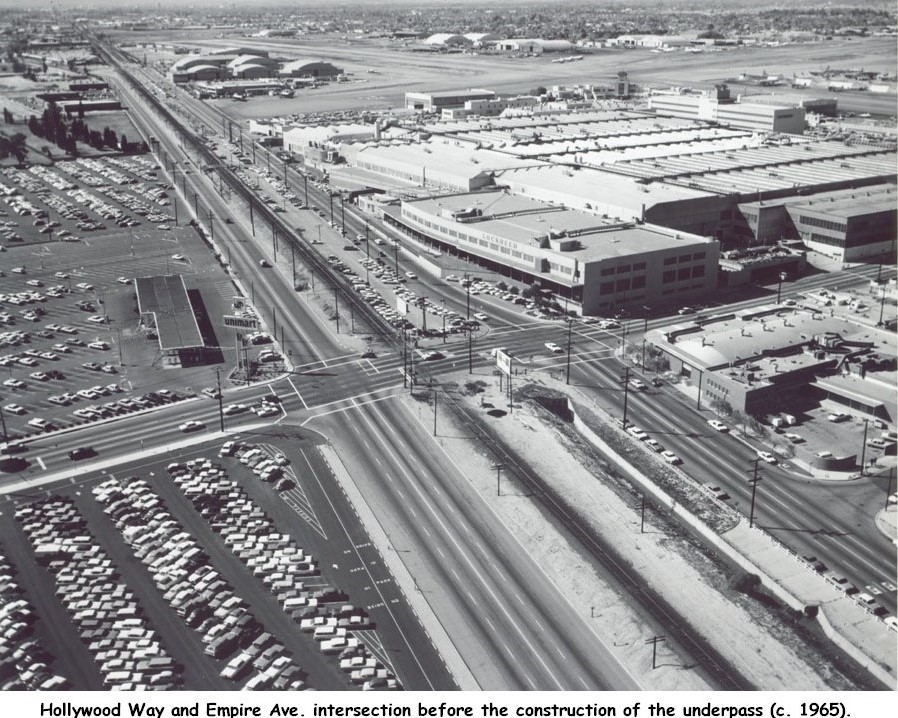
point(771, 648)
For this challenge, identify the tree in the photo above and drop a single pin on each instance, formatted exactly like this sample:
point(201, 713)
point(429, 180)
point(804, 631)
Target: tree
point(502, 286)
point(721, 406)
point(528, 292)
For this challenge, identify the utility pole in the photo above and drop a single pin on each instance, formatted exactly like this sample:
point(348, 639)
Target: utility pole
point(655, 640)
point(882, 300)
point(435, 410)
point(888, 483)
point(3, 425)
point(252, 219)
point(864, 446)
point(567, 376)
point(498, 468)
point(293, 263)
point(404, 359)
point(470, 351)
point(195, 204)
point(754, 489)
point(626, 380)
point(174, 202)
point(467, 297)
point(274, 241)
point(336, 309)
point(220, 400)
point(305, 181)
point(331, 199)
point(211, 226)
point(642, 517)
point(396, 256)
point(342, 215)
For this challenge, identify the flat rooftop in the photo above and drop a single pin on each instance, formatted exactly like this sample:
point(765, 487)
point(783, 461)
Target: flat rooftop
point(842, 202)
point(851, 203)
point(521, 219)
point(746, 336)
point(165, 297)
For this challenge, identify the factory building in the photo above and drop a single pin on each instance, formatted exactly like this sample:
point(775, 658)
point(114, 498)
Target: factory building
point(321, 143)
point(594, 266)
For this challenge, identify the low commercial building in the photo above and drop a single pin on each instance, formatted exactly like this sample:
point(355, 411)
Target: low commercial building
point(491, 108)
point(593, 266)
point(321, 143)
point(439, 101)
point(164, 306)
point(764, 359)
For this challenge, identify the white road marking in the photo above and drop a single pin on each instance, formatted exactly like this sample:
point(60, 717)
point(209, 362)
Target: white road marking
point(296, 391)
point(41, 462)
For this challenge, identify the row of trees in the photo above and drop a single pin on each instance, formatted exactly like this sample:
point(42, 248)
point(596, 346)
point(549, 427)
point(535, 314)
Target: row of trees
point(52, 127)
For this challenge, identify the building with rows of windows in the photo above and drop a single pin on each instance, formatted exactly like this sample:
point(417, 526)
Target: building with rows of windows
point(591, 265)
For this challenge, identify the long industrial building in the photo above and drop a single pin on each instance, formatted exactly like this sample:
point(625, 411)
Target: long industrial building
point(589, 264)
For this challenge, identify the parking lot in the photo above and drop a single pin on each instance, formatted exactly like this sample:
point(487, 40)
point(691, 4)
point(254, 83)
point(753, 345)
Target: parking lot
point(71, 346)
point(217, 569)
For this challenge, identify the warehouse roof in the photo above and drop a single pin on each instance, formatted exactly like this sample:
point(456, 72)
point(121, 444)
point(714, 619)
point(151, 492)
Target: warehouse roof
point(850, 203)
point(165, 297)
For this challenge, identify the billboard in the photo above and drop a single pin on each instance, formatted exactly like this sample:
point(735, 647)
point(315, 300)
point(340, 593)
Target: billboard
point(503, 362)
point(233, 321)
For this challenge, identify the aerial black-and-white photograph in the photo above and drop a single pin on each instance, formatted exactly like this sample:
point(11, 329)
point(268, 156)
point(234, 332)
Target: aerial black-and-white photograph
point(521, 345)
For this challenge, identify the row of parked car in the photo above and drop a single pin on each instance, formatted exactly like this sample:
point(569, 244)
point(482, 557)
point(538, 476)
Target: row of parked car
point(105, 612)
point(23, 660)
point(196, 591)
point(290, 574)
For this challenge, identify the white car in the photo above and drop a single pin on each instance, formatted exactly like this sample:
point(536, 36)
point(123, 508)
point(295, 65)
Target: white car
point(15, 409)
point(638, 385)
point(480, 316)
point(179, 257)
point(767, 456)
point(654, 445)
point(192, 425)
point(638, 433)
point(718, 425)
point(97, 319)
point(554, 348)
point(671, 458)
point(267, 410)
point(232, 409)
point(123, 280)
point(411, 275)
point(84, 286)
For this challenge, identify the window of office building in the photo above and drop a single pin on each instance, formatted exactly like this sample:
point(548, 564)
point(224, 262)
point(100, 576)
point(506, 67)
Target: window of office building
point(670, 260)
point(623, 285)
point(607, 271)
point(639, 282)
point(623, 269)
point(639, 266)
point(684, 273)
point(606, 288)
point(698, 271)
point(669, 277)
point(684, 258)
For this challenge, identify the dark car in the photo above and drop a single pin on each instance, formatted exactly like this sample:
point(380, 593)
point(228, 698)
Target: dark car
point(82, 452)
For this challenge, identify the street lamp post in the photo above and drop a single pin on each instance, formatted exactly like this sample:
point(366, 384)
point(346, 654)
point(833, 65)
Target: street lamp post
point(783, 276)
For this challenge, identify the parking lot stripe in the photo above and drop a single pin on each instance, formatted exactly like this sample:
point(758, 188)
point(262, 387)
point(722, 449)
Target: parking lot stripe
point(41, 462)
